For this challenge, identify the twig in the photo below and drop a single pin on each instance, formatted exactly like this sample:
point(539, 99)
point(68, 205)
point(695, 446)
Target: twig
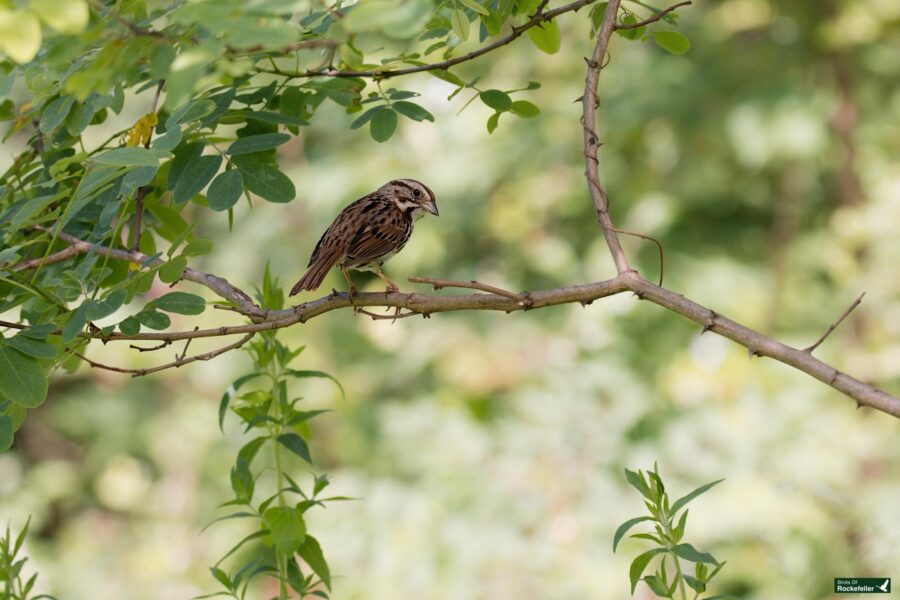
point(514, 34)
point(217, 284)
point(649, 238)
point(471, 285)
point(159, 346)
point(589, 102)
point(56, 257)
point(181, 361)
point(833, 326)
point(652, 19)
point(392, 317)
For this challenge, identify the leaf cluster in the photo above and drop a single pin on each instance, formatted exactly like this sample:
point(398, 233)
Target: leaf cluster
point(669, 522)
point(261, 401)
point(14, 586)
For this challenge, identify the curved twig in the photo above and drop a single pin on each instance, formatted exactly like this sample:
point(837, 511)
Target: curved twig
point(656, 17)
point(180, 361)
point(537, 19)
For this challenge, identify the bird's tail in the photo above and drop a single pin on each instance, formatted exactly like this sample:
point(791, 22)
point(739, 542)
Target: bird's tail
point(314, 275)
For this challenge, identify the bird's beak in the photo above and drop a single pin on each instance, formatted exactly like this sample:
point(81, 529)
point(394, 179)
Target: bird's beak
point(432, 208)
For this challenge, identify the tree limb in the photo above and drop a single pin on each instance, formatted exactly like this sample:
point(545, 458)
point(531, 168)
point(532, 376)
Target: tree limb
point(536, 20)
point(590, 102)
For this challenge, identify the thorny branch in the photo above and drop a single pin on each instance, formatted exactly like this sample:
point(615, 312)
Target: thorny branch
point(490, 297)
point(536, 20)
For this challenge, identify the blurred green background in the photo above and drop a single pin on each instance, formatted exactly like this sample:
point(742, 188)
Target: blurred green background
point(487, 450)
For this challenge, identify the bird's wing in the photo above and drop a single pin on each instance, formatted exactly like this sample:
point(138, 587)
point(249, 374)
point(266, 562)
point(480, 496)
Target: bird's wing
point(384, 234)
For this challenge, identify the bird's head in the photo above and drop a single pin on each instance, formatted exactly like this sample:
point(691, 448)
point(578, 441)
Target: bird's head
point(412, 197)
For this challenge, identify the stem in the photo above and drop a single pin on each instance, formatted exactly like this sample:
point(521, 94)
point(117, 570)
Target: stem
point(665, 522)
point(280, 559)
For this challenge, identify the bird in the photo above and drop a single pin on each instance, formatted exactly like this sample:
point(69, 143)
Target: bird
point(368, 232)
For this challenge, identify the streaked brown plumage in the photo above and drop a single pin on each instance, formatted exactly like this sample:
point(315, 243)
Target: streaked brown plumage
point(368, 232)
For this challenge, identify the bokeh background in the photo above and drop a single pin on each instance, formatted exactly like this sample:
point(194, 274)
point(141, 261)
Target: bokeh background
point(486, 450)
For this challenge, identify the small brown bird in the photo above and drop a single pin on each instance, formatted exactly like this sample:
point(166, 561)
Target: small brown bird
point(368, 232)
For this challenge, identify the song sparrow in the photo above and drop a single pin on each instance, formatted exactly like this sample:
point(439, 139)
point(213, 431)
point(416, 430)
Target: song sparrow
point(368, 232)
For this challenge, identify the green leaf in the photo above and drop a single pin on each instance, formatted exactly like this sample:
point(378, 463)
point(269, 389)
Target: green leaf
point(20, 34)
point(656, 585)
point(473, 5)
point(637, 481)
point(278, 119)
point(127, 157)
point(631, 34)
point(130, 326)
point(672, 41)
point(172, 270)
point(184, 156)
point(197, 248)
point(412, 111)
point(311, 552)
point(688, 552)
point(221, 577)
point(68, 17)
point(153, 319)
point(230, 393)
point(295, 444)
point(460, 23)
point(181, 303)
point(493, 121)
point(286, 526)
point(257, 143)
point(6, 433)
point(383, 125)
point(524, 109)
point(681, 502)
point(195, 177)
point(499, 101)
point(545, 37)
point(696, 585)
point(242, 481)
point(55, 113)
point(99, 309)
point(31, 347)
point(267, 181)
point(22, 380)
point(639, 564)
point(225, 190)
point(249, 450)
point(624, 527)
point(317, 374)
point(77, 321)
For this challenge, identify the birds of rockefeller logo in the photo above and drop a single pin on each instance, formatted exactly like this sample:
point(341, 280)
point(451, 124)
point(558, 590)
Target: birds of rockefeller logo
point(862, 585)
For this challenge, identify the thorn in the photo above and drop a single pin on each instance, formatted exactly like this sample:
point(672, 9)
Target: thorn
point(639, 295)
point(585, 303)
point(752, 353)
point(859, 405)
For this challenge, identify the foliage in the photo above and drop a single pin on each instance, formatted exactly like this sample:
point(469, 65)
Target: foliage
point(269, 412)
point(219, 90)
point(668, 535)
point(12, 567)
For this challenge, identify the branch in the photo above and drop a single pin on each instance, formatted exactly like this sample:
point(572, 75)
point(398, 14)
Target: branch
point(536, 20)
point(590, 102)
point(758, 344)
point(217, 284)
point(180, 361)
point(652, 19)
point(834, 325)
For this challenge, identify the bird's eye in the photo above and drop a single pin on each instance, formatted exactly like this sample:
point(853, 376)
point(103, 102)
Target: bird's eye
point(417, 193)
